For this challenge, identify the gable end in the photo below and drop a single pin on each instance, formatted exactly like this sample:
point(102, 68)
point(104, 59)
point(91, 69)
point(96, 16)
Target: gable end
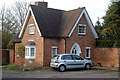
point(89, 22)
point(29, 13)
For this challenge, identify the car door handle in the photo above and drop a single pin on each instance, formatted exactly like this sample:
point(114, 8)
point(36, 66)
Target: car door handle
point(74, 61)
point(64, 61)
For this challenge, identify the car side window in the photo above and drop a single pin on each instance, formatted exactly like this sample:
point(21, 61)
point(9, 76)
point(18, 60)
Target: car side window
point(63, 57)
point(76, 57)
point(66, 57)
point(82, 58)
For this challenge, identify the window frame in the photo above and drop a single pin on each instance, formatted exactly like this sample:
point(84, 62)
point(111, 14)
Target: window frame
point(81, 25)
point(88, 53)
point(31, 25)
point(17, 55)
point(29, 53)
point(54, 47)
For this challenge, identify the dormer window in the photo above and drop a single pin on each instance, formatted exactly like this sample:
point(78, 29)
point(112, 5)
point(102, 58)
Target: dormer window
point(82, 29)
point(31, 28)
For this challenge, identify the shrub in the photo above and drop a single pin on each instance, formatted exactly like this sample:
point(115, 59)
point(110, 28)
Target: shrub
point(21, 50)
point(10, 45)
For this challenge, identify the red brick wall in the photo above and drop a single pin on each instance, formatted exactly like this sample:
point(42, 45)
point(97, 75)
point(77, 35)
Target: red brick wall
point(48, 43)
point(44, 46)
point(11, 56)
point(106, 56)
point(39, 45)
point(84, 41)
point(18, 60)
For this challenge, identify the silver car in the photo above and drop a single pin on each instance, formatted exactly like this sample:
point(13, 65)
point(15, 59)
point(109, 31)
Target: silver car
point(69, 61)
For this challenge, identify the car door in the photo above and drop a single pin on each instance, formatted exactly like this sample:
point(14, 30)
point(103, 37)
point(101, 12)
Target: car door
point(78, 61)
point(67, 59)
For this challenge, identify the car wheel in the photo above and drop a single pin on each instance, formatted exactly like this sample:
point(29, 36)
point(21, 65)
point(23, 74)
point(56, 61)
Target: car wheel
point(62, 68)
point(87, 66)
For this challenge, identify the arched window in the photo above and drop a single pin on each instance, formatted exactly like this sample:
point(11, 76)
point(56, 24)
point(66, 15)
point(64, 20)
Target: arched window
point(75, 49)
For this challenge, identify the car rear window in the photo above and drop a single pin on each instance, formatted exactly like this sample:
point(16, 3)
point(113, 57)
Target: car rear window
point(55, 57)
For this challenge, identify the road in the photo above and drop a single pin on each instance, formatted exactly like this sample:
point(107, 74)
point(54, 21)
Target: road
point(57, 74)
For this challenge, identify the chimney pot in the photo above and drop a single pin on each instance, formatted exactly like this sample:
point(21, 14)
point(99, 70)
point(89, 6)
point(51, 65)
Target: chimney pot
point(42, 4)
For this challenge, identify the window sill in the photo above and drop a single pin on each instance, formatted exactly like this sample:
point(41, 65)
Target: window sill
point(29, 57)
point(31, 34)
point(87, 57)
point(81, 34)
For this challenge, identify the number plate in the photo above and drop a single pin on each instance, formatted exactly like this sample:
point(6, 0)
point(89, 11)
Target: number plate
point(52, 65)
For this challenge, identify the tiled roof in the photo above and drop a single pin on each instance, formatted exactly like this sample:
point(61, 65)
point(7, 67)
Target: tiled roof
point(53, 22)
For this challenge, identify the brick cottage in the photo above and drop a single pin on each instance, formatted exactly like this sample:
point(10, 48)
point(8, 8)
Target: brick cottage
point(47, 32)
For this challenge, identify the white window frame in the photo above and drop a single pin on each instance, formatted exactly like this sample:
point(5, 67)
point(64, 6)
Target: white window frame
point(77, 47)
point(88, 53)
point(17, 54)
point(32, 40)
point(54, 47)
point(84, 29)
point(33, 31)
point(29, 56)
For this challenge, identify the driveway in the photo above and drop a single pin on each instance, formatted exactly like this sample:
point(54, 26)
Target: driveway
point(57, 74)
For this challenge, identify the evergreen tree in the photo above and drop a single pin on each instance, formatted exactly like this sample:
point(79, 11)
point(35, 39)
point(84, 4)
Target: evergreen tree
point(111, 25)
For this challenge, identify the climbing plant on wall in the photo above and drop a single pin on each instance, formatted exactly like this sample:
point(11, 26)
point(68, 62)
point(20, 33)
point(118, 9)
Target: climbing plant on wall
point(21, 50)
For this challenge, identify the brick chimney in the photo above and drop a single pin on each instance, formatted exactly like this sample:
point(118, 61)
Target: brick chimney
point(42, 4)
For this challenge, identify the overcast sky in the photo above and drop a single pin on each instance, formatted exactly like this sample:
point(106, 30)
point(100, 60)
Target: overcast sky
point(95, 8)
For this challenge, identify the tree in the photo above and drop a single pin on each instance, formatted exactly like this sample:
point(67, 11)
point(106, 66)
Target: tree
point(19, 10)
point(111, 25)
point(10, 45)
point(98, 27)
point(7, 26)
point(11, 20)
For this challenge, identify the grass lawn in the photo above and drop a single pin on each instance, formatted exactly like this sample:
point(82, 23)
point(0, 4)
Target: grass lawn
point(17, 67)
